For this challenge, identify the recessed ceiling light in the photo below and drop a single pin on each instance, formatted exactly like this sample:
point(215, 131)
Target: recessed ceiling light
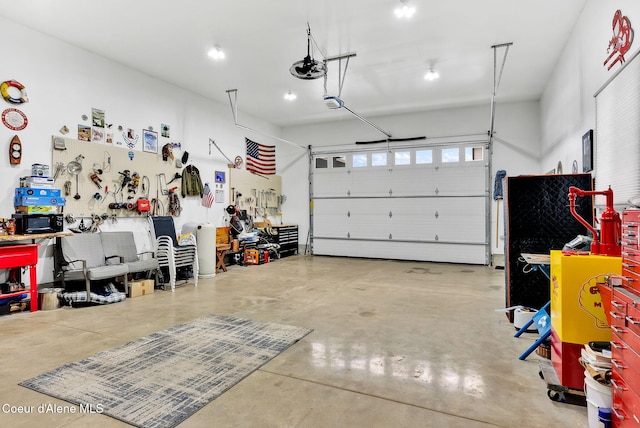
point(431, 75)
point(216, 53)
point(290, 96)
point(404, 11)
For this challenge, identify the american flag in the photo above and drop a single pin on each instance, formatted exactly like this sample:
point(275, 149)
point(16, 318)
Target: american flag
point(207, 196)
point(261, 159)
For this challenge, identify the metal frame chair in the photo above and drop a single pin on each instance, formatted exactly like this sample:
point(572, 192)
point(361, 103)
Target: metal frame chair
point(168, 252)
point(84, 259)
point(122, 243)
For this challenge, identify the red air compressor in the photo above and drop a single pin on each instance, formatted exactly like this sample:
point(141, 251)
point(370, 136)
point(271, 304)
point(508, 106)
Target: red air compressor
point(608, 243)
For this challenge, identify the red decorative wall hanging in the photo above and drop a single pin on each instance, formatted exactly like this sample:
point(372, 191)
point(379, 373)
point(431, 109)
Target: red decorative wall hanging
point(621, 41)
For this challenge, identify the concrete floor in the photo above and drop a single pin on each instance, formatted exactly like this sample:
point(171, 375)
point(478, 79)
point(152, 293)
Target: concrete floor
point(394, 344)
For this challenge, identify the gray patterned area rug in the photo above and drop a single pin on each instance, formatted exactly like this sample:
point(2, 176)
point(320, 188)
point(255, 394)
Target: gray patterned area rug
point(162, 379)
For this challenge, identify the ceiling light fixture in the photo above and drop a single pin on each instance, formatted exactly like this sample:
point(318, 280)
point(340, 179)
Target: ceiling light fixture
point(431, 75)
point(216, 53)
point(404, 11)
point(290, 96)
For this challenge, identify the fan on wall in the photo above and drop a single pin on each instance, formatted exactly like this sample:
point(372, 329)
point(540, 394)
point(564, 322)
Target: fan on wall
point(308, 68)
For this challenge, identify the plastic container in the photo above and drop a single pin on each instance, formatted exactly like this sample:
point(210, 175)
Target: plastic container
point(598, 397)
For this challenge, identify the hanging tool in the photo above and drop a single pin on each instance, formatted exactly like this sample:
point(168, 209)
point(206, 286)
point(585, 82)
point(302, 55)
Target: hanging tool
point(133, 184)
point(59, 170)
point(106, 164)
point(77, 195)
point(174, 202)
point(126, 178)
point(75, 168)
point(162, 183)
point(146, 186)
point(96, 179)
point(175, 177)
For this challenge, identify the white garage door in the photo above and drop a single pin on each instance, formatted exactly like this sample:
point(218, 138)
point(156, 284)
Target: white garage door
point(425, 203)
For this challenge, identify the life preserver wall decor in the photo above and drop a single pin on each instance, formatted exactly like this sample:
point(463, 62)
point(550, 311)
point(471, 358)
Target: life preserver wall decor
point(4, 91)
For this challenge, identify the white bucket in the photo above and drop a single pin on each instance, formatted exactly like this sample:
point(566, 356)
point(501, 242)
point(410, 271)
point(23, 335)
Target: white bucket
point(598, 395)
point(521, 316)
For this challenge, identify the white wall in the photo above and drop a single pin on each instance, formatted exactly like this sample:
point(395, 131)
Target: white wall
point(516, 147)
point(64, 82)
point(568, 104)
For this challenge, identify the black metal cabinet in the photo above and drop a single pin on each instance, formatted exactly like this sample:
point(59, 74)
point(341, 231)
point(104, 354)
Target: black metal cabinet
point(287, 238)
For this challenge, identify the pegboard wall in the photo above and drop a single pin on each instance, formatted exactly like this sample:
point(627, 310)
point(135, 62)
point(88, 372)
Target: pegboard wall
point(109, 162)
point(259, 195)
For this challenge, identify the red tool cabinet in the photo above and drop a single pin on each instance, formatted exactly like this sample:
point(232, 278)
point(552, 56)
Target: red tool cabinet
point(625, 325)
point(15, 256)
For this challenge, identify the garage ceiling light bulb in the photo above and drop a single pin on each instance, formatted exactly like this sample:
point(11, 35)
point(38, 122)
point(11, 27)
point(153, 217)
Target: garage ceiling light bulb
point(405, 11)
point(216, 53)
point(431, 75)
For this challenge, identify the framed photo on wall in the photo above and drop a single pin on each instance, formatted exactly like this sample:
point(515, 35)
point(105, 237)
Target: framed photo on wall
point(587, 151)
point(149, 141)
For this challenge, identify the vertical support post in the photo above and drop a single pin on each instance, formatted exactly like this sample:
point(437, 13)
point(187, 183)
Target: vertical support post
point(497, 76)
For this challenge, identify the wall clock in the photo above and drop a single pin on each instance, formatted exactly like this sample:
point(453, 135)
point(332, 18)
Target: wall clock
point(14, 119)
point(15, 151)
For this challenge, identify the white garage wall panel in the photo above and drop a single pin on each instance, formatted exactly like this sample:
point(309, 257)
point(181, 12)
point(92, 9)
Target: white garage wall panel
point(415, 206)
point(617, 142)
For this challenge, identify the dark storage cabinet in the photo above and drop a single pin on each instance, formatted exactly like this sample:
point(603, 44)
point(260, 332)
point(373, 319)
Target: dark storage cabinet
point(538, 220)
point(287, 238)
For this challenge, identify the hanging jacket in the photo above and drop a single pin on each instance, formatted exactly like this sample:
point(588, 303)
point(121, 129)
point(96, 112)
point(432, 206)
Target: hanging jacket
point(191, 182)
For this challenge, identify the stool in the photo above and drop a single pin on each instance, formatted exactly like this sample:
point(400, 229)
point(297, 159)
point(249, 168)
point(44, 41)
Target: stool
point(221, 250)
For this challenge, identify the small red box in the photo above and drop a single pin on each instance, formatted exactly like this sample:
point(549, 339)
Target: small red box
point(143, 205)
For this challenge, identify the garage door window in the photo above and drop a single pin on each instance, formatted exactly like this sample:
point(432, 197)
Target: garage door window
point(473, 154)
point(424, 156)
point(402, 158)
point(339, 162)
point(378, 159)
point(360, 161)
point(322, 163)
point(450, 155)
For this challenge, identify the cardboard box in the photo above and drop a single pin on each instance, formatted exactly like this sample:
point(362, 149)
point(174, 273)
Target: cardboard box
point(37, 182)
point(37, 209)
point(141, 288)
point(33, 191)
point(26, 201)
point(39, 170)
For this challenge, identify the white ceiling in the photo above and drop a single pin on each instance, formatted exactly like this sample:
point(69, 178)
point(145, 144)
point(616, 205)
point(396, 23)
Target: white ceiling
point(262, 39)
